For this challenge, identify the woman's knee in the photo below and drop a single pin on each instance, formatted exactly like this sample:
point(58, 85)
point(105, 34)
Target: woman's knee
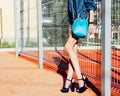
point(68, 48)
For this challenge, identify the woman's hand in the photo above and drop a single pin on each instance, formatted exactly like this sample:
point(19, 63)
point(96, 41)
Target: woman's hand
point(91, 29)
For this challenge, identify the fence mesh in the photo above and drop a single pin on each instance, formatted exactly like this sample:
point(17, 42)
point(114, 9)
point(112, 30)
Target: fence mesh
point(55, 27)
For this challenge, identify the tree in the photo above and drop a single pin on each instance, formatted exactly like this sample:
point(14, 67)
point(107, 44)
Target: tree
point(57, 30)
point(115, 12)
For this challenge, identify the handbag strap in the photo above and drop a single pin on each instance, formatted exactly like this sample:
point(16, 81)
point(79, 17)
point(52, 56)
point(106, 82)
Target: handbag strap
point(72, 10)
point(79, 14)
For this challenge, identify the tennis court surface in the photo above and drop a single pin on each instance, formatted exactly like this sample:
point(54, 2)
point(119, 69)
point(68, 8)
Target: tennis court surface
point(90, 63)
point(21, 77)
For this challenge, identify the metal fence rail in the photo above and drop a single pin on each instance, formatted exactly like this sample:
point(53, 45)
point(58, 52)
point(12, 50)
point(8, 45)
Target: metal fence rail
point(27, 27)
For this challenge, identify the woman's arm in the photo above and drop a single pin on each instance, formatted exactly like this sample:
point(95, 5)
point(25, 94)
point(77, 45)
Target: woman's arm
point(91, 18)
point(91, 7)
point(91, 22)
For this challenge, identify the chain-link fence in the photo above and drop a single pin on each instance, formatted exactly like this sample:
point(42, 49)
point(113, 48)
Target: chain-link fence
point(55, 33)
point(27, 27)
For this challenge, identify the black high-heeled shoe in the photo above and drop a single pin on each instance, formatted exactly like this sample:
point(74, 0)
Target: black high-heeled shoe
point(72, 87)
point(87, 82)
point(82, 89)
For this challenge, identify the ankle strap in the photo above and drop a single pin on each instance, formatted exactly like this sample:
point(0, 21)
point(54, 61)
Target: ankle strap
point(68, 80)
point(81, 79)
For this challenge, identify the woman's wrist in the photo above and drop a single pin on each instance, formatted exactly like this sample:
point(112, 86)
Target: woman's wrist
point(91, 22)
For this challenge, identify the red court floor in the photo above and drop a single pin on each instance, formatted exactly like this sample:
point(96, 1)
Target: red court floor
point(21, 77)
point(90, 63)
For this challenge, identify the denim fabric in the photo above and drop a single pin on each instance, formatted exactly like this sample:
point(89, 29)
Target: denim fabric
point(78, 6)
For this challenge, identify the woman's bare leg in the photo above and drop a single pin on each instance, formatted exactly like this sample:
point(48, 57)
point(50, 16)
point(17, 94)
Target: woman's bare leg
point(70, 70)
point(69, 46)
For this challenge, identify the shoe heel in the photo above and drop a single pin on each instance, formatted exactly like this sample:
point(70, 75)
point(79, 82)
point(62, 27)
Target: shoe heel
point(87, 82)
point(73, 86)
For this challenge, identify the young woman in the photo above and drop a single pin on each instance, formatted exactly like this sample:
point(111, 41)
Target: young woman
point(71, 44)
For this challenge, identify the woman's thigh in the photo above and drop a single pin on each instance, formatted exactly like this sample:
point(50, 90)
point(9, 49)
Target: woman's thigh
point(71, 42)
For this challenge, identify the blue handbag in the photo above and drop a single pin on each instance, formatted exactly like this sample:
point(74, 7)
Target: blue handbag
point(80, 25)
